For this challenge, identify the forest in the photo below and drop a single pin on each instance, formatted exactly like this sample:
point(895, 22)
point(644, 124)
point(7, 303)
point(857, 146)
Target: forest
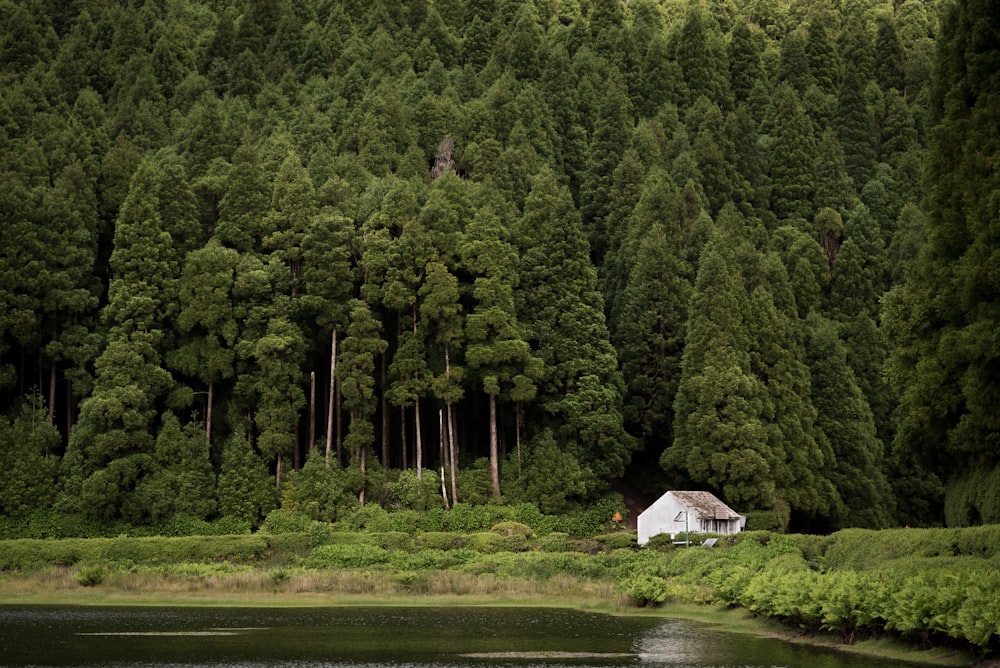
point(314, 254)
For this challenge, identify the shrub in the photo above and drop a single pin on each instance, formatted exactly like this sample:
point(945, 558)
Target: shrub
point(486, 543)
point(645, 590)
point(554, 542)
point(511, 529)
point(285, 521)
point(347, 556)
point(618, 540)
point(371, 517)
point(91, 575)
point(439, 540)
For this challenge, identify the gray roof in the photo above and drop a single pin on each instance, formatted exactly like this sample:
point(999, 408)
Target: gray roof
point(706, 505)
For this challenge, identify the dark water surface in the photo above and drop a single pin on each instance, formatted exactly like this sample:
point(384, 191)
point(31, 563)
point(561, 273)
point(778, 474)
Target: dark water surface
point(380, 637)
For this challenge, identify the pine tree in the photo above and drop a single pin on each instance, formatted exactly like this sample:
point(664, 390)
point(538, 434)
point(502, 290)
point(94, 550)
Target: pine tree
point(650, 337)
point(497, 352)
point(563, 316)
point(181, 480)
point(792, 157)
point(246, 492)
point(719, 434)
point(845, 419)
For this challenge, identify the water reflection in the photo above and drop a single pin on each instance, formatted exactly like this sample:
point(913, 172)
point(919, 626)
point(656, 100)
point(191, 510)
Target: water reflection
point(378, 638)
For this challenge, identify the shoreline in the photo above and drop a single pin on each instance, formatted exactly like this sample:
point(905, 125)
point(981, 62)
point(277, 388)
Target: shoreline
point(727, 620)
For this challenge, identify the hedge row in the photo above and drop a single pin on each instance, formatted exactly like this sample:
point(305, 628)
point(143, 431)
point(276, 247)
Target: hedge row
point(27, 553)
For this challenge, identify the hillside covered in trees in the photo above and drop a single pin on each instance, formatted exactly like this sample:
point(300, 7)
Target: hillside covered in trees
point(420, 252)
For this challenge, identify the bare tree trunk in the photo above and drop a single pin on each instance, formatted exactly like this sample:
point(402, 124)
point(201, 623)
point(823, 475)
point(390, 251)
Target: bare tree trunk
point(312, 411)
point(330, 407)
point(453, 450)
point(444, 457)
point(70, 413)
point(517, 437)
point(277, 475)
point(494, 453)
point(402, 437)
point(384, 403)
point(52, 394)
point(418, 441)
point(208, 414)
point(340, 427)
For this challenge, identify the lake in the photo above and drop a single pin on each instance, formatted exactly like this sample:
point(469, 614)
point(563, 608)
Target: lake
point(380, 637)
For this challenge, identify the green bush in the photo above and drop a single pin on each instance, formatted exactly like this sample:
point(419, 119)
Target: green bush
point(285, 521)
point(347, 556)
point(91, 575)
point(645, 590)
point(511, 529)
point(618, 540)
point(554, 542)
point(438, 540)
point(488, 543)
point(394, 540)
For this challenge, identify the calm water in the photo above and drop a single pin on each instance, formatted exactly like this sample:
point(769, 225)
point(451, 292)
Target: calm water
point(379, 638)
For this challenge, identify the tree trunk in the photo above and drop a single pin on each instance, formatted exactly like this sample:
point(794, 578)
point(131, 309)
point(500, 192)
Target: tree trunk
point(340, 426)
point(312, 411)
point(384, 403)
point(453, 450)
point(444, 458)
point(52, 394)
point(517, 437)
point(402, 437)
point(418, 442)
point(494, 453)
point(208, 414)
point(330, 407)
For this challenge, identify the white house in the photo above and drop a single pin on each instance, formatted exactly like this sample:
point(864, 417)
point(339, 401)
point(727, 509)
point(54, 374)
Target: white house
point(694, 512)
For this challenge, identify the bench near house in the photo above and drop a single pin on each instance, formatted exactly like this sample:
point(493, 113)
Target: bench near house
point(692, 512)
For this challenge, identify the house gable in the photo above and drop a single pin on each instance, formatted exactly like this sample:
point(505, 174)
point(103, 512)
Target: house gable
point(694, 512)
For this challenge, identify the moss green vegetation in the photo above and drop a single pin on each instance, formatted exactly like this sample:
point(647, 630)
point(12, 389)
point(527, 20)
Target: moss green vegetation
point(917, 588)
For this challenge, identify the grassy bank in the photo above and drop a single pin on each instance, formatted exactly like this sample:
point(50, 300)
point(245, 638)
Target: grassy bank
point(928, 595)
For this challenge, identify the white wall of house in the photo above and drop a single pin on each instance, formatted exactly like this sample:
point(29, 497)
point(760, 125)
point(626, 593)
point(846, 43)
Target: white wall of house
point(668, 515)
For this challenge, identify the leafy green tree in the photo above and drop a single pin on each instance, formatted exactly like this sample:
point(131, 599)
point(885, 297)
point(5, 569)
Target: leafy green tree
point(317, 490)
point(701, 53)
point(845, 419)
point(744, 55)
point(327, 275)
point(181, 480)
point(889, 56)
point(856, 128)
point(440, 312)
point(277, 383)
point(245, 202)
point(246, 489)
point(356, 373)
point(720, 438)
point(207, 322)
point(824, 60)
point(793, 155)
point(131, 381)
point(293, 206)
point(28, 446)
point(609, 140)
point(496, 350)
point(650, 336)
point(562, 313)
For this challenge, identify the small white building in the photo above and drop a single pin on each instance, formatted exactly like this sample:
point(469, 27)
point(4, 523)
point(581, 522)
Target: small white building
point(694, 512)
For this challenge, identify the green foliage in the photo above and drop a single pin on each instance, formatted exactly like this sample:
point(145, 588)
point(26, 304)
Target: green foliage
point(91, 575)
point(208, 207)
point(645, 590)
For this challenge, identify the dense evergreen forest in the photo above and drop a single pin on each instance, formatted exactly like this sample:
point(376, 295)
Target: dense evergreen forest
point(318, 253)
